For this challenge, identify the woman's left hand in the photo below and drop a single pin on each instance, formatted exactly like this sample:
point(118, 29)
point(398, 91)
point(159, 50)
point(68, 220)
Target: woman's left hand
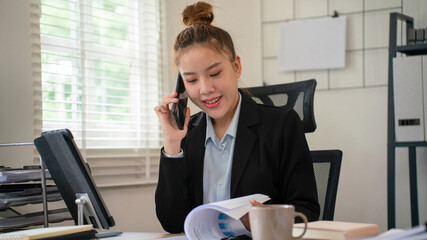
point(245, 218)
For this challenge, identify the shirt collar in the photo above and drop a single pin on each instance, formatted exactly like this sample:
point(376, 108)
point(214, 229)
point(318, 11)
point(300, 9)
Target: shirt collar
point(231, 130)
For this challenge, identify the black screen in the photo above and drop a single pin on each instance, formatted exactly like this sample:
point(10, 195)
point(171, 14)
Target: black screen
point(70, 173)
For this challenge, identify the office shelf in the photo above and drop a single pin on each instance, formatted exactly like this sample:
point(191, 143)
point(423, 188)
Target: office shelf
point(409, 50)
point(410, 144)
point(418, 49)
point(20, 187)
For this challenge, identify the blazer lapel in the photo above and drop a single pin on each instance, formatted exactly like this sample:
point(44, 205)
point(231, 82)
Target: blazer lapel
point(245, 140)
point(196, 151)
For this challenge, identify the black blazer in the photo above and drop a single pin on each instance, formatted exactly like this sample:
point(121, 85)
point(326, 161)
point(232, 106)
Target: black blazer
point(271, 157)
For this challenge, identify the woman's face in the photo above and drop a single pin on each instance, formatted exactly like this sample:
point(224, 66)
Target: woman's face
point(210, 80)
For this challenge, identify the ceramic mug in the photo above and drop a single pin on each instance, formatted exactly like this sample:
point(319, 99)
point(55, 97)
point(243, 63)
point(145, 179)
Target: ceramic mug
point(274, 221)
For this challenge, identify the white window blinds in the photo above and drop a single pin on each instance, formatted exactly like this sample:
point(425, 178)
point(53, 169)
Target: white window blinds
point(98, 71)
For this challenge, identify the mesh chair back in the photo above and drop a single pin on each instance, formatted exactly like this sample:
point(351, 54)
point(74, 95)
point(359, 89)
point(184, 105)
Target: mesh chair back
point(296, 95)
point(327, 165)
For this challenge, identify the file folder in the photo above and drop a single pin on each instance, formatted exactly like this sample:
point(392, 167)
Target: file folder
point(408, 99)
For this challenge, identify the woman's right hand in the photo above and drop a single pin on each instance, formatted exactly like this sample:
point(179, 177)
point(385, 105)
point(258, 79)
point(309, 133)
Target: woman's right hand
point(171, 133)
point(245, 218)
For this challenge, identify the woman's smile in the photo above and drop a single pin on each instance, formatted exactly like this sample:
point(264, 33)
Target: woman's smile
point(212, 102)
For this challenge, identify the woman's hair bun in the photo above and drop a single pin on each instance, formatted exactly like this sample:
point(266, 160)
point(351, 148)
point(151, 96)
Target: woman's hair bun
point(198, 13)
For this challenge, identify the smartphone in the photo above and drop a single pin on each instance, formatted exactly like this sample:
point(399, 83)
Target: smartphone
point(179, 107)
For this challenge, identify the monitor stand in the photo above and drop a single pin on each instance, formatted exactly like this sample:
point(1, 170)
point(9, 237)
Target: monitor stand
point(85, 209)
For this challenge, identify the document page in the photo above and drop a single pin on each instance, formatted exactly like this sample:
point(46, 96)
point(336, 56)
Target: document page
point(221, 219)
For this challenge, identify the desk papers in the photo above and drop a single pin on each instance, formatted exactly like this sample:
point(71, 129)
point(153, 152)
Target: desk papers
point(66, 232)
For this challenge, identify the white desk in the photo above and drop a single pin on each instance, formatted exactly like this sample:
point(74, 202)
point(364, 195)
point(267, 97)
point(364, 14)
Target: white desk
point(147, 236)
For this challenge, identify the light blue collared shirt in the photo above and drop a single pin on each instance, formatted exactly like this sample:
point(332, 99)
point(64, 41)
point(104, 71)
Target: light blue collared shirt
point(218, 160)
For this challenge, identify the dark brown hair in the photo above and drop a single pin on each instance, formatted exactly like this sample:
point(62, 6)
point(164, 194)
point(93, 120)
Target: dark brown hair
point(198, 18)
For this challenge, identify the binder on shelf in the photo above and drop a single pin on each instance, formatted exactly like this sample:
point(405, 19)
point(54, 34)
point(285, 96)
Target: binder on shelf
point(419, 36)
point(411, 36)
point(408, 99)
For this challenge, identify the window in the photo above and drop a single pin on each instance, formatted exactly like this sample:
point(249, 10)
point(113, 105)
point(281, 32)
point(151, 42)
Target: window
point(98, 71)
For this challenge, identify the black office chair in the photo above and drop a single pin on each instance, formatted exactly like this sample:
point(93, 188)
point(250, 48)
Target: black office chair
point(327, 166)
point(296, 95)
point(326, 163)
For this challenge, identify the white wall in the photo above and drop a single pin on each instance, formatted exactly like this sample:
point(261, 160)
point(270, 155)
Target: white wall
point(16, 101)
point(354, 121)
point(351, 115)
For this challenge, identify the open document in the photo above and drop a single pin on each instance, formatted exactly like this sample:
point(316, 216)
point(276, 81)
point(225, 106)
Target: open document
point(220, 219)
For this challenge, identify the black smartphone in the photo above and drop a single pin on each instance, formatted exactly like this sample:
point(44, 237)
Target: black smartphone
point(179, 107)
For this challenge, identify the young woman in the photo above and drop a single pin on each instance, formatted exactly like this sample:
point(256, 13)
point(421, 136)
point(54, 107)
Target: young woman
point(234, 147)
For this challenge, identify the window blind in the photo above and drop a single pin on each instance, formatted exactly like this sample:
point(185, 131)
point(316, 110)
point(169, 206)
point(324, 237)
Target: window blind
point(97, 69)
